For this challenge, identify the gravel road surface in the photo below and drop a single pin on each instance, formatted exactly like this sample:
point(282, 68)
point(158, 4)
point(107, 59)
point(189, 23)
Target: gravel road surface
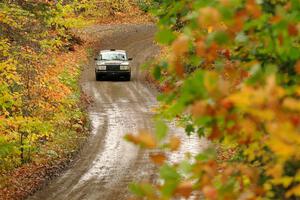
point(107, 163)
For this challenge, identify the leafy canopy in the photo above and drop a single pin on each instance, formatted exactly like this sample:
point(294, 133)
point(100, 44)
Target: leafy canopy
point(232, 76)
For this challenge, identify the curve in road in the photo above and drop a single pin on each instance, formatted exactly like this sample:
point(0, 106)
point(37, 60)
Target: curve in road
point(107, 163)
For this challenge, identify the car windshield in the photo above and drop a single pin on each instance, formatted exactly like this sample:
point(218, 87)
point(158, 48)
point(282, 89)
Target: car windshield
point(113, 56)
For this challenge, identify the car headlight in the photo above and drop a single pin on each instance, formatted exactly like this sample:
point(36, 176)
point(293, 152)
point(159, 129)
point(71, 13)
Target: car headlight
point(101, 67)
point(124, 67)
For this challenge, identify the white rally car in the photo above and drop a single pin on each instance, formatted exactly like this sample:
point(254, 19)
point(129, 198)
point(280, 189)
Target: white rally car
point(112, 63)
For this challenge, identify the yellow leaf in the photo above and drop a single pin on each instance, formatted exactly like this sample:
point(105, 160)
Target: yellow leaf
point(248, 126)
point(239, 99)
point(285, 132)
point(291, 104)
point(297, 177)
point(275, 171)
point(285, 181)
point(210, 82)
point(281, 148)
point(294, 191)
point(266, 114)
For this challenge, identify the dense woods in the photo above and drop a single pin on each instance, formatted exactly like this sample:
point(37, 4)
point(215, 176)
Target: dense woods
point(229, 71)
point(231, 74)
point(39, 94)
point(43, 118)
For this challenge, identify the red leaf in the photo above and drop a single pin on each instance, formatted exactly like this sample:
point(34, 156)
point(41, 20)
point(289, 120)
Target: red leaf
point(292, 30)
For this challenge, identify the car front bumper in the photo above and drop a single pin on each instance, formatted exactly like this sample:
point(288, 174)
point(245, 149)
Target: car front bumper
point(113, 73)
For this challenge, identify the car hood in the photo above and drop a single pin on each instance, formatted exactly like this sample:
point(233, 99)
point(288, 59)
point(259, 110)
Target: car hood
point(112, 62)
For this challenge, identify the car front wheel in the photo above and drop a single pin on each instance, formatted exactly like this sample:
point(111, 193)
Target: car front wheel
point(98, 77)
point(128, 77)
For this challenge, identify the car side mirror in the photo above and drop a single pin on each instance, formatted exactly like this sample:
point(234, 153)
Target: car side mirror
point(95, 58)
point(130, 59)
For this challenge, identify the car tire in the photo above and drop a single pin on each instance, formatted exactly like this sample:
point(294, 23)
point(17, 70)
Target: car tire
point(98, 78)
point(128, 77)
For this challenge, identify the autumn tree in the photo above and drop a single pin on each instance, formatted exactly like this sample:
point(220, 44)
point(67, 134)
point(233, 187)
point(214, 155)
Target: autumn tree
point(232, 76)
point(34, 92)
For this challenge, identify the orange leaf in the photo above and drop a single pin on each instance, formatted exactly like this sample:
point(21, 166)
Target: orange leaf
point(292, 30)
point(184, 189)
point(288, 6)
point(158, 159)
point(210, 192)
point(199, 109)
point(177, 65)
point(239, 20)
point(179, 68)
point(166, 88)
point(215, 133)
point(131, 138)
point(200, 48)
point(295, 119)
point(143, 138)
point(225, 3)
point(275, 19)
point(180, 45)
point(297, 67)
point(212, 53)
point(174, 143)
point(146, 139)
point(226, 53)
point(253, 8)
point(227, 104)
point(208, 16)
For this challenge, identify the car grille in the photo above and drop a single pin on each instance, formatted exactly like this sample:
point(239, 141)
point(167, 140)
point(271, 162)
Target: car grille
point(112, 67)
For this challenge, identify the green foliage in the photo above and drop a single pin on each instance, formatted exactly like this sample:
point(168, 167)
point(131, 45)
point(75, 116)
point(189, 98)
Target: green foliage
point(148, 5)
point(232, 76)
point(118, 5)
point(141, 189)
point(165, 36)
point(161, 129)
point(37, 96)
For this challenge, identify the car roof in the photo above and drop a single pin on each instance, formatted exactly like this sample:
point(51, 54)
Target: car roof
point(112, 50)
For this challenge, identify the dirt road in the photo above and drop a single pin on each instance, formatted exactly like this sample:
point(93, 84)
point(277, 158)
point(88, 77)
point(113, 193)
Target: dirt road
point(107, 163)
